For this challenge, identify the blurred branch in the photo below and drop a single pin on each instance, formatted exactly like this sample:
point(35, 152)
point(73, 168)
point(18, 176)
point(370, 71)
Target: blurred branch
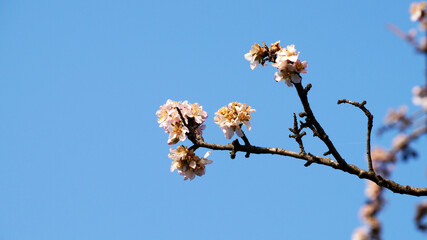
point(407, 37)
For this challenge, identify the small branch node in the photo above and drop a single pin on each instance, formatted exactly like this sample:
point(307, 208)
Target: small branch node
point(236, 146)
point(307, 88)
point(326, 153)
point(194, 147)
point(308, 163)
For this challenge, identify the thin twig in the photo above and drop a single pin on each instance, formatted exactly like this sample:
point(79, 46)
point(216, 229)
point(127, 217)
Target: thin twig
point(181, 116)
point(302, 93)
point(396, 30)
point(297, 134)
point(247, 143)
point(370, 124)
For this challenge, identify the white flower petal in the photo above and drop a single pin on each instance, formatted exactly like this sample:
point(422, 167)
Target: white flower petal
point(207, 154)
point(228, 132)
point(173, 166)
point(239, 132)
point(247, 124)
point(278, 77)
point(296, 78)
point(288, 82)
point(254, 65)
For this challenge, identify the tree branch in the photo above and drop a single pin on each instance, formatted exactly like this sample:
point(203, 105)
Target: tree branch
point(302, 93)
point(370, 124)
point(349, 168)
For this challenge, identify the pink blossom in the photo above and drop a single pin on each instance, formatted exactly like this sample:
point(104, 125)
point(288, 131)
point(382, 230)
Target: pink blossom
point(360, 234)
point(400, 141)
point(417, 11)
point(289, 66)
point(420, 96)
point(187, 163)
point(255, 55)
point(170, 120)
point(394, 116)
point(288, 53)
point(231, 117)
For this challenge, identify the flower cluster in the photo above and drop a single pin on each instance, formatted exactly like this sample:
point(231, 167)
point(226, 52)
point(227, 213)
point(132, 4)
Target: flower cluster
point(420, 96)
point(284, 59)
point(368, 214)
point(256, 56)
point(170, 120)
point(400, 141)
point(420, 215)
point(289, 66)
point(394, 116)
point(187, 163)
point(230, 118)
point(383, 163)
point(360, 234)
point(417, 11)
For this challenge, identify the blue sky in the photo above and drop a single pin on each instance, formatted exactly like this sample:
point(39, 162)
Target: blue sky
point(81, 153)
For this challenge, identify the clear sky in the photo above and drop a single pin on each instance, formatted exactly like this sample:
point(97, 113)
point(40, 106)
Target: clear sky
point(81, 153)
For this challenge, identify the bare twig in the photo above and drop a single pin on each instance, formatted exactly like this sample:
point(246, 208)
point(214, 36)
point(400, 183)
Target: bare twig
point(396, 30)
point(247, 143)
point(370, 124)
point(297, 134)
point(302, 93)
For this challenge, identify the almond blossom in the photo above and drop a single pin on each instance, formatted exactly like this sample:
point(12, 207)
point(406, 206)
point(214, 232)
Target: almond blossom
point(187, 163)
point(394, 116)
point(379, 154)
point(231, 117)
point(360, 234)
point(382, 161)
point(417, 11)
point(400, 141)
point(372, 190)
point(289, 66)
point(255, 56)
point(170, 120)
point(420, 96)
point(284, 59)
point(288, 53)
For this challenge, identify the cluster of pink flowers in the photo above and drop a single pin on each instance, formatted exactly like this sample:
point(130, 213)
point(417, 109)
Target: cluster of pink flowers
point(170, 120)
point(231, 117)
point(187, 163)
point(383, 163)
point(417, 11)
point(420, 96)
point(284, 59)
point(289, 66)
point(256, 56)
point(394, 116)
point(360, 233)
point(400, 141)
